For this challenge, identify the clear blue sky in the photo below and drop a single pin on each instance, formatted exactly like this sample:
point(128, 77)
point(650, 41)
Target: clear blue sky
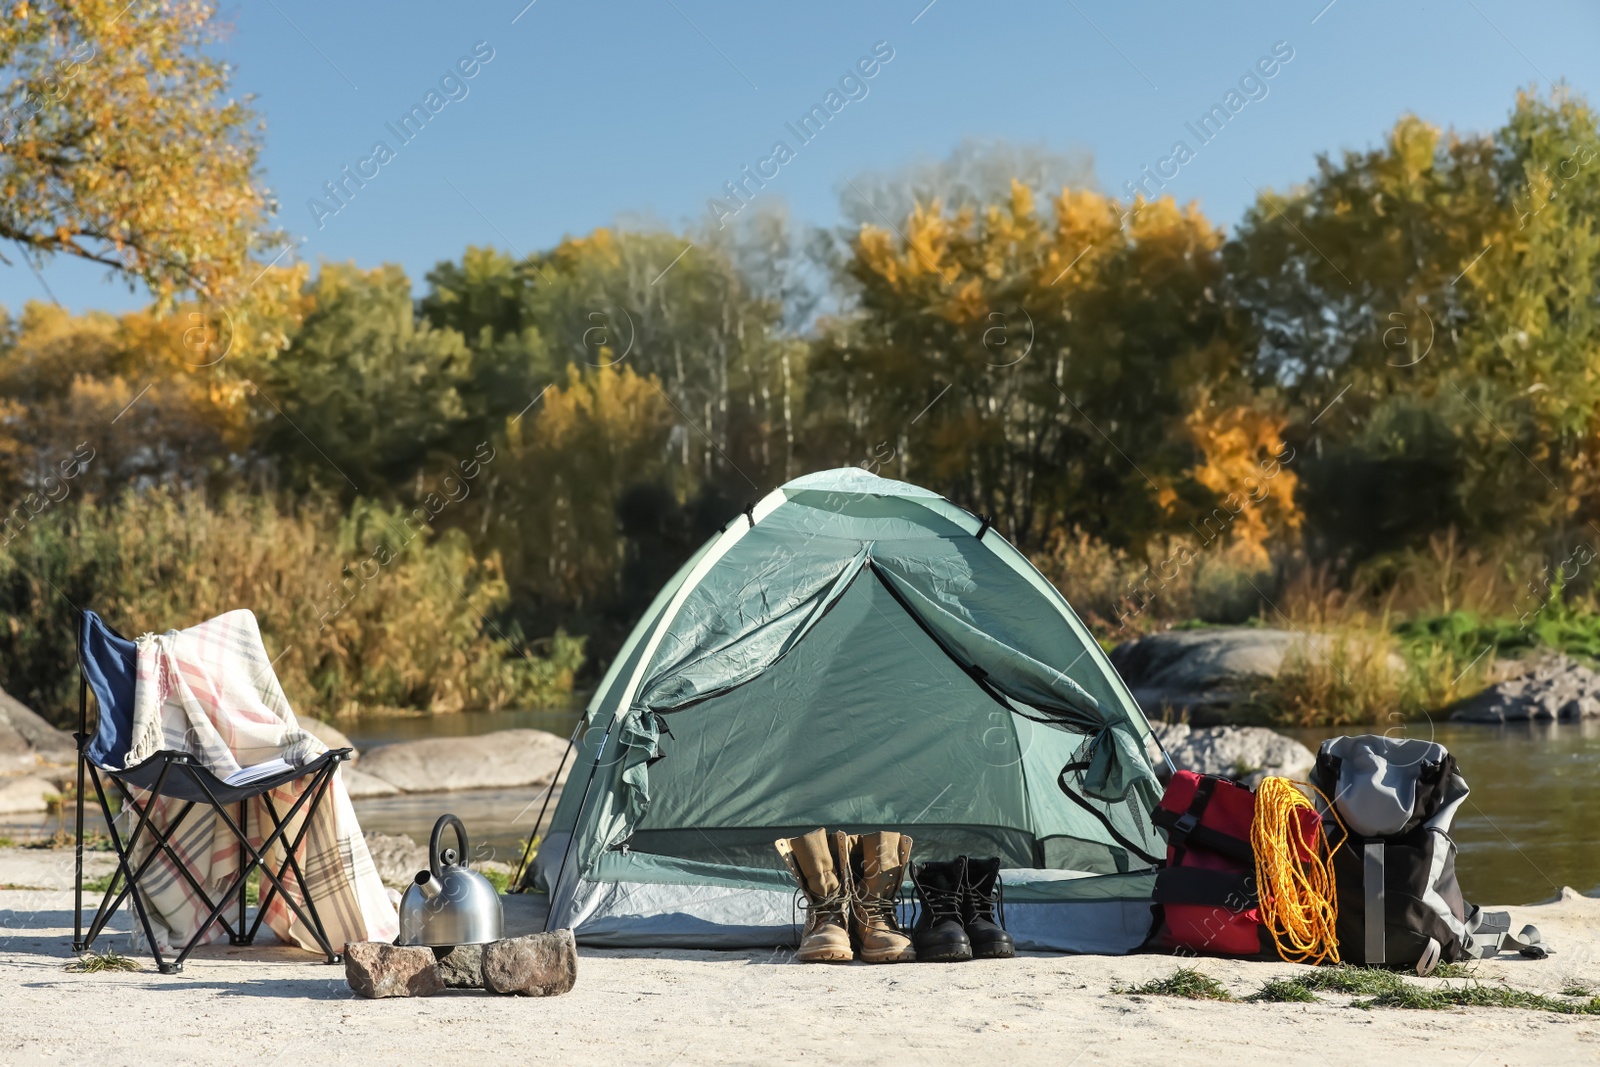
point(593, 110)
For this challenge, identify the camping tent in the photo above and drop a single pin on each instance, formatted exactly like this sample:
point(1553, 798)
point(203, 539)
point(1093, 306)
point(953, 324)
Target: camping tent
point(855, 653)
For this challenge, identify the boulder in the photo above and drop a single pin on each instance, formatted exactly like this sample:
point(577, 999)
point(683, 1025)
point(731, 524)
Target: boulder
point(397, 858)
point(20, 796)
point(331, 736)
point(361, 785)
point(537, 965)
point(27, 742)
point(506, 759)
point(462, 967)
point(377, 969)
point(1244, 753)
point(1554, 689)
point(1201, 674)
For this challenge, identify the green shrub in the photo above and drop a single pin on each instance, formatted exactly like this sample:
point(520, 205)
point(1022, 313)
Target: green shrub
point(360, 609)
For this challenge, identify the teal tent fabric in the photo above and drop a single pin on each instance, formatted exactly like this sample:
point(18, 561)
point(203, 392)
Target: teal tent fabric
point(851, 653)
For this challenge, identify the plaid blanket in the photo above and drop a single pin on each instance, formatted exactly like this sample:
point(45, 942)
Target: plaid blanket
point(210, 691)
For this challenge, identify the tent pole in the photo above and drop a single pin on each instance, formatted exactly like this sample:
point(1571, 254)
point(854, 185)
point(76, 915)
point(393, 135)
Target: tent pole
point(527, 850)
point(582, 803)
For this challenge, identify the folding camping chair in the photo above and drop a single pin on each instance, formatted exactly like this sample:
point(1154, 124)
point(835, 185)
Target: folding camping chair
point(107, 665)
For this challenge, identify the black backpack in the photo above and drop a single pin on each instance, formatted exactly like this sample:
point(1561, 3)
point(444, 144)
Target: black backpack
point(1395, 872)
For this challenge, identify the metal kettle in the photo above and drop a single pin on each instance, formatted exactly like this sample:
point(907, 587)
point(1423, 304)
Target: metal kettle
point(449, 903)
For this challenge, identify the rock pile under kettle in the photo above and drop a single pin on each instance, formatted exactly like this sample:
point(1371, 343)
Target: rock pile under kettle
point(535, 965)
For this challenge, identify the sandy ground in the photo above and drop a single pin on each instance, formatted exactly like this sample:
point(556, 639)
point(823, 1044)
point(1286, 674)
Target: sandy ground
point(274, 1005)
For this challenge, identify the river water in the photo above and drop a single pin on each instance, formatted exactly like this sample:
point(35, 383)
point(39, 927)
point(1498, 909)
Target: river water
point(1528, 828)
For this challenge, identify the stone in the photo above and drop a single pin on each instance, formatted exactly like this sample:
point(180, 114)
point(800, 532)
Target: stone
point(329, 735)
point(1555, 689)
point(462, 967)
point(27, 742)
point(397, 858)
point(1246, 754)
point(362, 786)
point(1201, 674)
point(536, 965)
point(505, 759)
point(21, 796)
point(377, 969)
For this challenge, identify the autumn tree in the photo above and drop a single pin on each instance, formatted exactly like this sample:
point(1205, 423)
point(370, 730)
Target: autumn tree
point(1034, 365)
point(366, 400)
point(120, 144)
point(564, 468)
point(675, 309)
point(109, 395)
point(1428, 309)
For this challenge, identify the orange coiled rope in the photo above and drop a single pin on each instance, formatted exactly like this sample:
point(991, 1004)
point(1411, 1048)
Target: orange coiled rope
point(1294, 873)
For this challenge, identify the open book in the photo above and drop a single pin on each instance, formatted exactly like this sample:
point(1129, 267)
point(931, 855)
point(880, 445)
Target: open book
point(255, 773)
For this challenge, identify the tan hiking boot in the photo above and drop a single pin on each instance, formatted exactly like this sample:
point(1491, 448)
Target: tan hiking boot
point(874, 866)
point(826, 938)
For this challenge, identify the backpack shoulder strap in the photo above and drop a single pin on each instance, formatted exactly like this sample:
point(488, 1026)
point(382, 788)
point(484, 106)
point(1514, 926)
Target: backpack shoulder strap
point(1489, 933)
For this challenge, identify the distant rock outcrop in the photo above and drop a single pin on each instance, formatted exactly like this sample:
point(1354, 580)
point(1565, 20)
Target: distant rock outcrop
point(362, 786)
point(25, 794)
point(397, 858)
point(505, 759)
point(1555, 689)
point(1244, 753)
point(329, 735)
point(1200, 675)
point(27, 742)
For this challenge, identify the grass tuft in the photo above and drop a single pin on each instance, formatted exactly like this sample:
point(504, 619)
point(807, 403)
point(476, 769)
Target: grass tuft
point(1354, 981)
point(1185, 982)
point(1422, 998)
point(1283, 991)
point(100, 884)
point(96, 962)
point(1390, 989)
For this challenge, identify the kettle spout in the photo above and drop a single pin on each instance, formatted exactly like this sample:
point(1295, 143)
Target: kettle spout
point(430, 886)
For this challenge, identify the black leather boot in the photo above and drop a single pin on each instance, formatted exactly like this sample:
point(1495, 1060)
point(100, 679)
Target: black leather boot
point(938, 935)
point(980, 888)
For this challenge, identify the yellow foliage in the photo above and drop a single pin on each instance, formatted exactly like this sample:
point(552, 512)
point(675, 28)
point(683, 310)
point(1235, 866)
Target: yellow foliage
point(604, 408)
point(570, 459)
point(1246, 466)
point(123, 145)
point(120, 386)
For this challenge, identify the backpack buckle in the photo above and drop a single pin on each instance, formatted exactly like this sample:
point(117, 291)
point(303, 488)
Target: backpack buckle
point(1185, 824)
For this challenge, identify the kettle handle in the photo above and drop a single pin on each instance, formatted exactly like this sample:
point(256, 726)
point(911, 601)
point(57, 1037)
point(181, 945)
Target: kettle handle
point(433, 843)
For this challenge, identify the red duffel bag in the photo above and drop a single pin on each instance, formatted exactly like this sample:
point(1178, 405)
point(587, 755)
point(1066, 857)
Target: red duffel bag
point(1207, 889)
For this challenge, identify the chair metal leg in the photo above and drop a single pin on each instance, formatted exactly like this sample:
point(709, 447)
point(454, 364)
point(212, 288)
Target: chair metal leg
point(244, 935)
point(77, 882)
point(133, 876)
point(319, 788)
point(324, 778)
point(257, 861)
point(163, 843)
point(159, 842)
